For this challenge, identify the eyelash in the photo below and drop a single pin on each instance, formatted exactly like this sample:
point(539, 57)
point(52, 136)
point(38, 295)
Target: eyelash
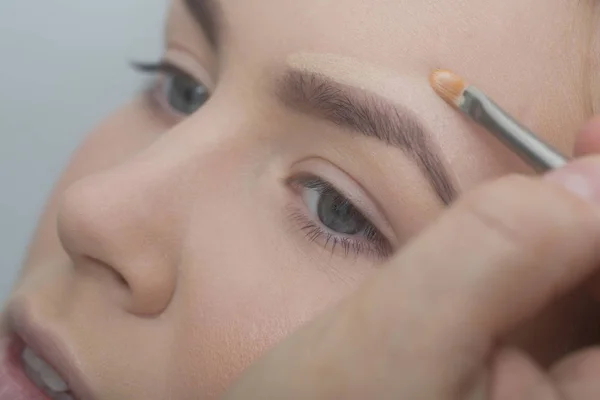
point(372, 244)
point(161, 66)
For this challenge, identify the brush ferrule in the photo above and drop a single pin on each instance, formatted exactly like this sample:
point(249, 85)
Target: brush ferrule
point(523, 142)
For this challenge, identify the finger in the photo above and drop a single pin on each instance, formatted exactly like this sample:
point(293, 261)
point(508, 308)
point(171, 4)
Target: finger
point(424, 327)
point(578, 377)
point(506, 249)
point(515, 376)
point(496, 258)
point(586, 143)
point(588, 139)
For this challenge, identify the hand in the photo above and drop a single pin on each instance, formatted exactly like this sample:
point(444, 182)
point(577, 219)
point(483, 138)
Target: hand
point(428, 326)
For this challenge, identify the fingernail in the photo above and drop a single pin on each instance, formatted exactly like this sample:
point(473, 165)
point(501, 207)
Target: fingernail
point(581, 178)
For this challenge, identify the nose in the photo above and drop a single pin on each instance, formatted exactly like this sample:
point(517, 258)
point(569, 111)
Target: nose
point(121, 227)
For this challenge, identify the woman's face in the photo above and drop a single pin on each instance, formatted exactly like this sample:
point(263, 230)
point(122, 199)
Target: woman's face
point(285, 151)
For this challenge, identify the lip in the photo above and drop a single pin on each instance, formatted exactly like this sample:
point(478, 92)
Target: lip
point(49, 347)
point(17, 385)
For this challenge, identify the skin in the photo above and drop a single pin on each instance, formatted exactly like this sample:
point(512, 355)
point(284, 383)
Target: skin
point(168, 242)
point(456, 332)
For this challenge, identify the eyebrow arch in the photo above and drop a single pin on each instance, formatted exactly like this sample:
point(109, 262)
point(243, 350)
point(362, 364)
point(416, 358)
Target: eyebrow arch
point(207, 14)
point(370, 115)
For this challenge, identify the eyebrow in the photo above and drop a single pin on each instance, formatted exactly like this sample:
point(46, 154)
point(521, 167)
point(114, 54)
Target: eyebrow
point(207, 14)
point(370, 115)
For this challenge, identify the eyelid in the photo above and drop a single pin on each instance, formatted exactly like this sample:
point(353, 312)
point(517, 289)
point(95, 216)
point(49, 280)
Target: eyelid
point(194, 67)
point(350, 189)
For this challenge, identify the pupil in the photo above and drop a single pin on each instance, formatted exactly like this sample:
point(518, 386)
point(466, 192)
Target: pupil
point(339, 215)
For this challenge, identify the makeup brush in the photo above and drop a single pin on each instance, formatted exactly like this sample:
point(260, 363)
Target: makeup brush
point(477, 106)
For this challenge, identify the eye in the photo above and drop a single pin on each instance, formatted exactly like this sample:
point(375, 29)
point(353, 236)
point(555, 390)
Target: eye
point(335, 222)
point(183, 95)
point(333, 210)
point(175, 91)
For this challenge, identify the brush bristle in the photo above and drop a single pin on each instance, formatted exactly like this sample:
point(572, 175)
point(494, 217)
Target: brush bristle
point(448, 86)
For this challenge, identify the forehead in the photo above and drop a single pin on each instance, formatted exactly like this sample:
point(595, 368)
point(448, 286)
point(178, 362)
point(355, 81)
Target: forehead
point(473, 37)
point(529, 50)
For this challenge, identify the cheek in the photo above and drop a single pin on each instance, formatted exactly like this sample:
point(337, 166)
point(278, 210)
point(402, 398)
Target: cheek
point(123, 134)
point(246, 281)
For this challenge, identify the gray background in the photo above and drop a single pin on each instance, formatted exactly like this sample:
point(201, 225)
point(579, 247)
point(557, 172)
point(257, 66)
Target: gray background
point(63, 66)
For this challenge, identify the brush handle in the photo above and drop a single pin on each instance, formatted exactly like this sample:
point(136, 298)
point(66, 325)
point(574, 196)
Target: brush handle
point(534, 151)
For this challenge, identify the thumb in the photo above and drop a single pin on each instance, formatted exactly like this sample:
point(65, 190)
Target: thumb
point(587, 143)
point(425, 327)
point(499, 256)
